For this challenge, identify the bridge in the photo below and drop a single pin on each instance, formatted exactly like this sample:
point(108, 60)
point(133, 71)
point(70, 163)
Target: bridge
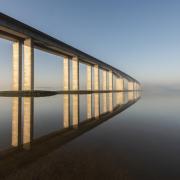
point(26, 39)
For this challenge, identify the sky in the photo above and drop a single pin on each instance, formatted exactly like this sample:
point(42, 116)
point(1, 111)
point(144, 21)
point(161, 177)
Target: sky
point(139, 37)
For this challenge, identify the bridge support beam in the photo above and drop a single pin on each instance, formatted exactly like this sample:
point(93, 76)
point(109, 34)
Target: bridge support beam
point(75, 73)
point(89, 77)
point(119, 84)
point(96, 78)
point(89, 88)
point(130, 86)
point(17, 66)
point(110, 79)
point(28, 65)
point(66, 73)
point(104, 81)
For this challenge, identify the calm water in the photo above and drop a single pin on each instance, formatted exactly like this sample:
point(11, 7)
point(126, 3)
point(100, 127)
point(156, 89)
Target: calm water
point(109, 136)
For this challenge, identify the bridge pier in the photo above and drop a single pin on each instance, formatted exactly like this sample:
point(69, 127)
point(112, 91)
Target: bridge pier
point(89, 77)
point(66, 73)
point(104, 80)
point(119, 84)
point(75, 73)
point(28, 65)
point(89, 88)
point(75, 86)
point(110, 79)
point(17, 66)
point(96, 77)
point(130, 86)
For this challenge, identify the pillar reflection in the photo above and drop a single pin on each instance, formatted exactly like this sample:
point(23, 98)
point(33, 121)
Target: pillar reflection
point(75, 110)
point(110, 101)
point(104, 102)
point(28, 121)
point(89, 106)
point(66, 116)
point(130, 96)
point(96, 105)
point(16, 121)
point(120, 98)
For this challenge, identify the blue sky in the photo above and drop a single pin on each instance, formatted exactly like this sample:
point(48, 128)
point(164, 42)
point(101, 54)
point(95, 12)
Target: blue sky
point(140, 37)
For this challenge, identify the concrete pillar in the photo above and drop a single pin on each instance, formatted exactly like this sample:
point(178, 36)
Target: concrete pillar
point(66, 74)
point(96, 78)
point(130, 86)
point(119, 84)
point(75, 110)
point(104, 101)
point(17, 66)
point(89, 106)
point(16, 121)
point(89, 77)
point(96, 105)
point(66, 115)
point(110, 102)
point(104, 80)
point(75, 73)
point(28, 121)
point(110, 77)
point(28, 65)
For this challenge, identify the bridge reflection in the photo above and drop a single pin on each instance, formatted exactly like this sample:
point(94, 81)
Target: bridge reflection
point(99, 106)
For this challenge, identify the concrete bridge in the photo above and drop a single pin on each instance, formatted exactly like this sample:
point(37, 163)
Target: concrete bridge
point(24, 36)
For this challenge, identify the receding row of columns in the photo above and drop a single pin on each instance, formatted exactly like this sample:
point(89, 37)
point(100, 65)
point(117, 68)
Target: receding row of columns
point(28, 83)
point(109, 102)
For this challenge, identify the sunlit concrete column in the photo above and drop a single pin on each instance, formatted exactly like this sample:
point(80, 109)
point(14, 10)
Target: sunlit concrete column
point(134, 86)
point(17, 66)
point(16, 121)
point(96, 105)
point(75, 110)
point(104, 81)
point(28, 65)
point(110, 102)
point(130, 86)
point(89, 77)
point(66, 115)
point(89, 106)
point(104, 101)
point(96, 77)
point(110, 77)
point(66, 72)
point(28, 121)
point(75, 73)
point(119, 84)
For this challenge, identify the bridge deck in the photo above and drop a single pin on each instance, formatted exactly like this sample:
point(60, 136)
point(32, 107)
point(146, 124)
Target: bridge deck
point(13, 29)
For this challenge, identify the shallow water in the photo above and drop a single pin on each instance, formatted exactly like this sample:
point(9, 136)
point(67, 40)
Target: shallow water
point(123, 137)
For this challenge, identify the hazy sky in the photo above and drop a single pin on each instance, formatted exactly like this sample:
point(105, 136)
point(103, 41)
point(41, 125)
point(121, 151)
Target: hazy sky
point(140, 37)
